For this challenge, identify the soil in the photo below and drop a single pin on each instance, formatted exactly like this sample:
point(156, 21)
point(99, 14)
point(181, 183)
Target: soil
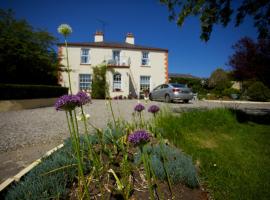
point(105, 186)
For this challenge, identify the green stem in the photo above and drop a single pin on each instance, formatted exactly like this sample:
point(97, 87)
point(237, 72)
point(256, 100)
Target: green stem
point(110, 103)
point(79, 159)
point(68, 68)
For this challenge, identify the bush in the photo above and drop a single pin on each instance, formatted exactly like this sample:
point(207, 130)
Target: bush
point(99, 85)
point(178, 165)
point(14, 91)
point(257, 91)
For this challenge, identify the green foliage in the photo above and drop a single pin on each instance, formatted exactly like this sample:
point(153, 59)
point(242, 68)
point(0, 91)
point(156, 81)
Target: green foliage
point(52, 178)
point(257, 91)
point(99, 85)
point(178, 165)
point(13, 91)
point(229, 91)
point(26, 55)
point(219, 12)
point(231, 152)
point(194, 83)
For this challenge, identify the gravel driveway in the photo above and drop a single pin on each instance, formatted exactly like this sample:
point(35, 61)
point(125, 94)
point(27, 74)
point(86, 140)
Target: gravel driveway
point(27, 134)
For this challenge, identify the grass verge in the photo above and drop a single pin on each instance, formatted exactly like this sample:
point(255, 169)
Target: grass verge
point(233, 154)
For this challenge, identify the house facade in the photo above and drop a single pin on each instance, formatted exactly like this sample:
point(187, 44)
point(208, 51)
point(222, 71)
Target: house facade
point(132, 69)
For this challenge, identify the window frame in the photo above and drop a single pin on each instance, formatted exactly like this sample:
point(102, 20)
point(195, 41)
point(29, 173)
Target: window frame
point(145, 59)
point(83, 80)
point(87, 56)
point(142, 85)
point(117, 83)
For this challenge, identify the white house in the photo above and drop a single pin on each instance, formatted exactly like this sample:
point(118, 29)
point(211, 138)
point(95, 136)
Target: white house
point(136, 68)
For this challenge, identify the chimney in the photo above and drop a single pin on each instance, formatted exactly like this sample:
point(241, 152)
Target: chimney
point(130, 38)
point(99, 36)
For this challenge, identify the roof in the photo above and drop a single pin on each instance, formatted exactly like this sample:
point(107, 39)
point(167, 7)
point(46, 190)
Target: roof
point(177, 75)
point(113, 45)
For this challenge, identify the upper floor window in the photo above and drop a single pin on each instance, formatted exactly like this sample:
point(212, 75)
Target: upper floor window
point(116, 56)
point(117, 82)
point(85, 82)
point(145, 58)
point(85, 57)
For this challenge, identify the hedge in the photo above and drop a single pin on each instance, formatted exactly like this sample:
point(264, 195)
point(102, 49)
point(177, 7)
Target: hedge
point(14, 91)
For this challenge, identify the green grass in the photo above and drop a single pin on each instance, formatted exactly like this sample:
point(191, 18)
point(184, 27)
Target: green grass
point(234, 157)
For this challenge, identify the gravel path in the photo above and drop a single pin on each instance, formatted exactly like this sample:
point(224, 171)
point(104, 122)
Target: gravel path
point(27, 134)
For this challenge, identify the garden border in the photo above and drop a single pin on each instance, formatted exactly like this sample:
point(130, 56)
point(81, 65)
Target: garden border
point(24, 171)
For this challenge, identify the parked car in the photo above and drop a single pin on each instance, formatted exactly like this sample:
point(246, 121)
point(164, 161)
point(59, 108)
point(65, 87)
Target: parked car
point(171, 92)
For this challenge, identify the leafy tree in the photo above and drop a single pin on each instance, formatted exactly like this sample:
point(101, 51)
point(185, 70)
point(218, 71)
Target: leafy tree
point(26, 54)
point(219, 81)
point(251, 60)
point(213, 12)
point(257, 91)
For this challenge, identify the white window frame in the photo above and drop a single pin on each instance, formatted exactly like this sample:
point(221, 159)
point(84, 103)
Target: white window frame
point(85, 56)
point(117, 82)
point(145, 58)
point(145, 83)
point(84, 81)
point(116, 58)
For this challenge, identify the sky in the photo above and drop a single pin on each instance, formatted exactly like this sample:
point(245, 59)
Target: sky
point(146, 19)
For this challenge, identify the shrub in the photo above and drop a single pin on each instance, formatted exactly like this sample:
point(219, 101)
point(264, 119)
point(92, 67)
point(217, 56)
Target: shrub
point(99, 85)
point(51, 178)
point(178, 165)
point(14, 91)
point(257, 91)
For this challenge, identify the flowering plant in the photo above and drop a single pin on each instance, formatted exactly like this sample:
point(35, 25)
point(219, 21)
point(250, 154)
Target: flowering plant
point(64, 29)
point(153, 109)
point(139, 107)
point(139, 137)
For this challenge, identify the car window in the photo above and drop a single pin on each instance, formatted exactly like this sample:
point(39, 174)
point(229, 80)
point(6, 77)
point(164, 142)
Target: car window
point(157, 88)
point(178, 85)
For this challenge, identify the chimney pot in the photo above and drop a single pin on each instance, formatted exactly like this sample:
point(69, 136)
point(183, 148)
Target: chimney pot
point(99, 36)
point(130, 38)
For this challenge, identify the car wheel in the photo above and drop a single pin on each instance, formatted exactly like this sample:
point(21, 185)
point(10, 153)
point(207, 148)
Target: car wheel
point(150, 97)
point(167, 98)
point(186, 101)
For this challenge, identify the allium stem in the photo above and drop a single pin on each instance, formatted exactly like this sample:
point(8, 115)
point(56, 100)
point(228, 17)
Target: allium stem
point(78, 154)
point(68, 68)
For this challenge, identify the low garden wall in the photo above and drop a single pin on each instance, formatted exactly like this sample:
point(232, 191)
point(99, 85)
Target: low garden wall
point(9, 105)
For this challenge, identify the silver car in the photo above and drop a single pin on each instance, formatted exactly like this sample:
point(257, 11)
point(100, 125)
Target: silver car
point(171, 92)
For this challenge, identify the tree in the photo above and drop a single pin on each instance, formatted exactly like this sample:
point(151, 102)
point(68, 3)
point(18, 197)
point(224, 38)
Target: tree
point(213, 12)
point(99, 85)
point(219, 81)
point(26, 54)
point(251, 60)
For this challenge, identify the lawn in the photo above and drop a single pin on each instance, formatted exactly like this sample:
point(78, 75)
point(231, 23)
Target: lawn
point(233, 156)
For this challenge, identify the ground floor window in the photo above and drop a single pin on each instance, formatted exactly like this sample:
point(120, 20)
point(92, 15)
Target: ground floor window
point(144, 83)
point(117, 82)
point(85, 81)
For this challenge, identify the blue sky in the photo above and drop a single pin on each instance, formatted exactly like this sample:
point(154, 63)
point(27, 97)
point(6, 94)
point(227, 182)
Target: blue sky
point(146, 19)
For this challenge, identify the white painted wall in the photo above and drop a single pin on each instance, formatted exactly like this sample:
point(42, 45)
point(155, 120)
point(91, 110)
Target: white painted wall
point(156, 69)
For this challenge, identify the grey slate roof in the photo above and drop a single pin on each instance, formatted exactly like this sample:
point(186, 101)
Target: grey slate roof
point(115, 45)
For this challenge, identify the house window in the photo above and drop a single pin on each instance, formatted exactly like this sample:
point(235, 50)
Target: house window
point(85, 81)
point(145, 58)
point(116, 56)
point(85, 58)
point(144, 83)
point(117, 82)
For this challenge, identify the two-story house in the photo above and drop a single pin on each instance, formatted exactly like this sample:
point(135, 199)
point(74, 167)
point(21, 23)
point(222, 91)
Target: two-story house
point(136, 68)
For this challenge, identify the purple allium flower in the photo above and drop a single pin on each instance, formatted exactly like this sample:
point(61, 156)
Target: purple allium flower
point(67, 102)
point(139, 137)
point(84, 98)
point(139, 107)
point(153, 109)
